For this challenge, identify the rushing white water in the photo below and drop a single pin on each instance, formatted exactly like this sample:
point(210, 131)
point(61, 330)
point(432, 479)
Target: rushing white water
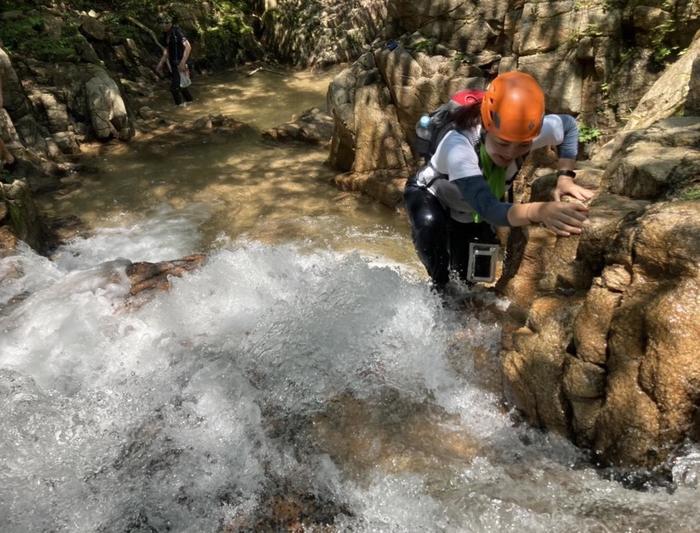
point(270, 371)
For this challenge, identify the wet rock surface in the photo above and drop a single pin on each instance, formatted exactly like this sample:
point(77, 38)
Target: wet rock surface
point(608, 355)
point(147, 276)
point(312, 126)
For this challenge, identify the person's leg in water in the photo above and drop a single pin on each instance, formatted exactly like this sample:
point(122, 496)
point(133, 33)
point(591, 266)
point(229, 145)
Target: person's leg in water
point(186, 94)
point(175, 89)
point(461, 234)
point(180, 95)
point(429, 229)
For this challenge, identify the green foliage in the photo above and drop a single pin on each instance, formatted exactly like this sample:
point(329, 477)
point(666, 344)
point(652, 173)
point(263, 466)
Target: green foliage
point(234, 6)
point(223, 41)
point(588, 133)
point(662, 51)
point(691, 194)
point(592, 30)
point(20, 30)
point(142, 9)
point(425, 45)
point(221, 26)
point(460, 57)
point(27, 35)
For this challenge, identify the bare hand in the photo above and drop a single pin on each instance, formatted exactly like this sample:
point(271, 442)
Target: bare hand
point(563, 218)
point(565, 185)
point(182, 67)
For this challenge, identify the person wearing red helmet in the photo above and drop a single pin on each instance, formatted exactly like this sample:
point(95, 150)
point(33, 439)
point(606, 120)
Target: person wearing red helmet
point(460, 195)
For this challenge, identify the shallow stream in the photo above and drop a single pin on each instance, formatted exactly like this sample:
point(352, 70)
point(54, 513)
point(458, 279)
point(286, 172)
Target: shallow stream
point(305, 373)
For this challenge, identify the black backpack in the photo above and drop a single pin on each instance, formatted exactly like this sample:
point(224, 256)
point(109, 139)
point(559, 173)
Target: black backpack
point(440, 123)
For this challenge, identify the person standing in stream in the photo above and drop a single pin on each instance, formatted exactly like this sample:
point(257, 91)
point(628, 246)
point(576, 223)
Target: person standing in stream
point(175, 54)
point(460, 195)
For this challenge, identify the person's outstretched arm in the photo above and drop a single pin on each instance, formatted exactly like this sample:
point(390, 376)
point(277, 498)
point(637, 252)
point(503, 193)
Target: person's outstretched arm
point(562, 218)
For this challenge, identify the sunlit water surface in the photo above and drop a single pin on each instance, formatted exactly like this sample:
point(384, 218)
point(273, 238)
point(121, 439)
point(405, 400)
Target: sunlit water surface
point(307, 357)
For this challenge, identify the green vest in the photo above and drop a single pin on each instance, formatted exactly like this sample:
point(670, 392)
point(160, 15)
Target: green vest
point(495, 176)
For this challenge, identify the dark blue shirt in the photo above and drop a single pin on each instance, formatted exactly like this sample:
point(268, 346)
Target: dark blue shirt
point(175, 43)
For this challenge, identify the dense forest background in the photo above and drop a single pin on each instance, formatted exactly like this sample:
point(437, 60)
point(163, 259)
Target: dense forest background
point(50, 31)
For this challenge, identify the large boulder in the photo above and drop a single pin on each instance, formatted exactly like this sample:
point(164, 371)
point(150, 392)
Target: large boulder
point(108, 113)
point(56, 112)
point(608, 355)
point(375, 104)
point(464, 26)
point(546, 26)
point(382, 158)
point(312, 126)
point(93, 28)
point(669, 94)
point(322, 33)
point(30, 132)
point(653, 162)
point(561, 77)
point(368, 140)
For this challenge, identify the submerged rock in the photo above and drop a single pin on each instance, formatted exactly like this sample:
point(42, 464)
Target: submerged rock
point(312, 126)
point(147, 276)
point(289, 509)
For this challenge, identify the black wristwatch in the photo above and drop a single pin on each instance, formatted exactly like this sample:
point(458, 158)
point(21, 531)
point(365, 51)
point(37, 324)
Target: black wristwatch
point(569, 173)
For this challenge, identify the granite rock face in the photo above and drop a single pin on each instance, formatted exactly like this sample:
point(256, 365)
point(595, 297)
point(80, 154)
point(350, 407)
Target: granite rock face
point(608, 355)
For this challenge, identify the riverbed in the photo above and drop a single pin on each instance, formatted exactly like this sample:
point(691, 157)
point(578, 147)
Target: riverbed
point(305, 375)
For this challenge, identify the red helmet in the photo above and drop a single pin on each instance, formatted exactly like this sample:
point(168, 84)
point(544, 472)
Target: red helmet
point(513, 107)
point(467, 97)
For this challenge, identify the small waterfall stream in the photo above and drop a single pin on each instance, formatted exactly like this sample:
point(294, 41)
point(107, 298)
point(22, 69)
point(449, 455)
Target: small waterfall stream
point(305, 364)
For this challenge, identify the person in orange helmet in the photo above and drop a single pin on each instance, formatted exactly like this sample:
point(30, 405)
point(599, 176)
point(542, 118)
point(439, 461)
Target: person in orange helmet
point(461, 194)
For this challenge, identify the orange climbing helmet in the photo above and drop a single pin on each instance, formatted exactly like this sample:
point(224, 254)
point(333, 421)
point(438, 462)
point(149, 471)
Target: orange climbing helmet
point(513, 107)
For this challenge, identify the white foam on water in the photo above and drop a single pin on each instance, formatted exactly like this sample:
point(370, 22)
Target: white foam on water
point(166, 233)
point(23, 273)
point(183, 413)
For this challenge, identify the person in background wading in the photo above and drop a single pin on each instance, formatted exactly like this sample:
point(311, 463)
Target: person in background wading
point(175, 55)
point(460, 195)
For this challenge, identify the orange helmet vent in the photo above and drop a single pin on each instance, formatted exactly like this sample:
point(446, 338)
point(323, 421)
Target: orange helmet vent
point(513, 107)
